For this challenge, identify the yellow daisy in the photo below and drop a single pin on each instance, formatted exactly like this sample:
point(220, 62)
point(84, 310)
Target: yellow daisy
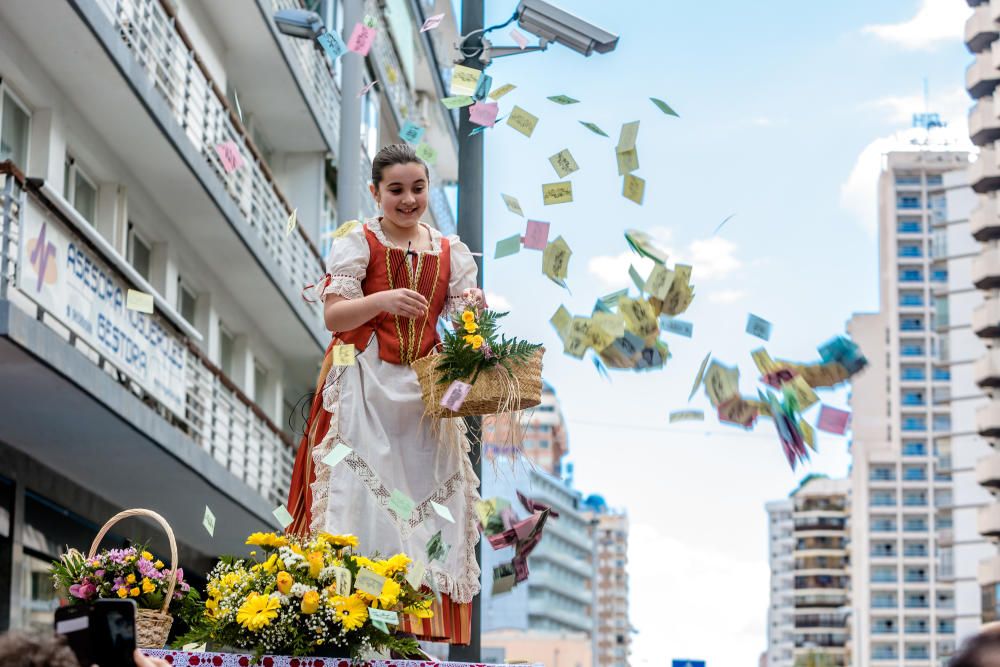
point(397, 563)
point(390, 593)
point(341, 540)
point(352, 612)
point(257, 611)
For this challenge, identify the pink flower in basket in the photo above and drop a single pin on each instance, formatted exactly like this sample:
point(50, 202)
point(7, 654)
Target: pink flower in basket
point(83, 591)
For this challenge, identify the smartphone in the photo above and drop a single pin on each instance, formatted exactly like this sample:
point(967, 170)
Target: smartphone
point(101, 633)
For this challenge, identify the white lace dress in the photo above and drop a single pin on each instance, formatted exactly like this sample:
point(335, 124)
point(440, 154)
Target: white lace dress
point(377, 411)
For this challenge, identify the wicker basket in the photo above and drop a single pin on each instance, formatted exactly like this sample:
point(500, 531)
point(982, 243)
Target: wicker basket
point(151, 627)
point(490, 392)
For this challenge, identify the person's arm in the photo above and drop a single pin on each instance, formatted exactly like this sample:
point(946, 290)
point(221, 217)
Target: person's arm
point(342, 314)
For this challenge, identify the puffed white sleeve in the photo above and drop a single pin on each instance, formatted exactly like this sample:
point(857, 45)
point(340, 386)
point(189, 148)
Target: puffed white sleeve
point(463, 273)
point(346, 265)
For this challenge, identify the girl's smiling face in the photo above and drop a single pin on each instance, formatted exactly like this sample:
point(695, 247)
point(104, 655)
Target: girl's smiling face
point(402, 192)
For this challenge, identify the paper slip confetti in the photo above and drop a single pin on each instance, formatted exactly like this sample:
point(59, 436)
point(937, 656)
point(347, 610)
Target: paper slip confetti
point(522, 121)
point(609, 301)
point(687, 416)
point(700, 376)
point(209, 521)
point(369, 21)
point(483, 86)
point(284, 518)
point(593, 128)
point(411, 132)
point(401, 504)
point(431, 22)
point(290, 225)
point(436, 548)
point(367, 88)
point(464, 80)
point(636, 279)
point(484, 113)
point(383, 615)
point(415, 575)
point(512, 204)
point(537, 235)
point(455, 395)
point(628, 161)
point(343, 355)
point(503, 578)
point(561, 321)
point(563, 163)
point(369, 582)
point(361, 39)
point(194, 647)
point(501, 91)
point(721, 383)
point(555, 261)
point(229, 155)
point(678, 327)
point(642, 243)
point(337, 454)
point(457, 101)
point(557, 193)
point(763, 361)
point(804, 394)
point(236, 101)
point(833, 420)
point(139, 301)
point(808, 433)
point(380, 625)
point(426, 153)
point(332, 43)
point(518, 37)
point(634, 188)
point(562, 99)
point(663, 106)
point(626, 138)
point(342, 576)
point(443, 512)
point(659, 281)
point(344, 229)
point(508, 246)
point(393, 76)
point(759, 327)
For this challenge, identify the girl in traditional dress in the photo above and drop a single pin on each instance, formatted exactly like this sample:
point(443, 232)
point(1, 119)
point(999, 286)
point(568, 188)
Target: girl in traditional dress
point(388, 281)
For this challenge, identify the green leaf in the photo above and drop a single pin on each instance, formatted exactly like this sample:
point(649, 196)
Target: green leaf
point(664, 107)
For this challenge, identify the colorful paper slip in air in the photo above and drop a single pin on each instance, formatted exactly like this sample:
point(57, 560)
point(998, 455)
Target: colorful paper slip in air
point(337, 454)
point(484, 113)
point(464, 80)
point(557, 193)
point(634, 188)
point(208, 521)
point(367, 88)
point(508, 246)
point(659, 281)
point(522, 121)
point(139, 301)
point(284, 518)
point(401, 504)
point(628, 161)
point(833, 420)
point(678, 327)
point(343, 355)
point(563, 163)
point(344, 229)
point(637, 280)
point(561, 321)
point(663, 106)
point(454, 397)
point(342, 580)
point(519, 37)
point(361, 39)
point(555, 261)
point(483, 87)
point(431, 22)
point(457, 101)
point(229, 155)
point(415, 574)
point(562, 99)
point(411, 132)
point(501, 91)
point(292, 220)
point(333, 44)
point(593, 128)
point(700, 376)
point(687, 416)
point(512, 204)
point(536, 237)
point(443, 512)
point(759, 327)
point(426, 153)
point(643, 244)
point(369, 582)
point(626, 138)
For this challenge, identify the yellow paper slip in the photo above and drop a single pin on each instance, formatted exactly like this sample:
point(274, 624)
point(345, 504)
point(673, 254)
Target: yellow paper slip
point(557, 193)
point(139, 301)
point(464, 80)
point(555, 260)
point(634, 188)
point(343, 355)
point(522, 121)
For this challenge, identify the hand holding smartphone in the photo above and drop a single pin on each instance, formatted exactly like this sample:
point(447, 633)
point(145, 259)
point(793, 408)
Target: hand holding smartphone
point(101, 633)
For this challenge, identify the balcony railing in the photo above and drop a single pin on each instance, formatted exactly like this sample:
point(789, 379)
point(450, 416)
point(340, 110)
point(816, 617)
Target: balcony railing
point(200, 107)
point(193, 395)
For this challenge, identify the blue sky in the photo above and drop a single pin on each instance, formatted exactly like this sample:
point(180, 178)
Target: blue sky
point(784, 107)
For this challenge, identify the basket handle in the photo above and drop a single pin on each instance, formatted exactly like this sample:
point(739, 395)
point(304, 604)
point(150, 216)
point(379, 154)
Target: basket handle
point(170, 537)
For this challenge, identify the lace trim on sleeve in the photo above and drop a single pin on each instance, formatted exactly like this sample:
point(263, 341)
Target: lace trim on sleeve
point(348, 287)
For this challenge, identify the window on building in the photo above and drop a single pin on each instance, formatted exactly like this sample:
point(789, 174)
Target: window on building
point(909, 226)
point(914, 448)
point(908, 201)
point(226, 351)
point(187, 302)
point(259, 383)
point(139, 252)
point(80, 191)
point(15, 128)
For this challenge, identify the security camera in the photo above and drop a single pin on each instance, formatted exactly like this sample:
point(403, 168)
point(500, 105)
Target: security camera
point(552, 24)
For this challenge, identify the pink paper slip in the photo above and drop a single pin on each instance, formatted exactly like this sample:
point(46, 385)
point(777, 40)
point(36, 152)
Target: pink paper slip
point(484, 113)
point(455, 396)
point(229, 155)
point(361, 39)
point(537, 235)
point(519, 37)
point(833, 420)
point(431, 22)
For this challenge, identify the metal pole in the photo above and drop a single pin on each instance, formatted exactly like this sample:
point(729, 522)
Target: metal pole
point(470, 229)
point(349, 156)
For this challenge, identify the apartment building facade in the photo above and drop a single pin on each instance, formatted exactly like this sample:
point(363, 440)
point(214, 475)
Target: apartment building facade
point(612, 628)
point(781, 605)
point(121, 122)
point(544, 438)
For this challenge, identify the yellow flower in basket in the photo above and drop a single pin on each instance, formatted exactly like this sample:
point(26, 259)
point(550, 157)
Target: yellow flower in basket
point(267, 540)
point(420, 609)
point(396, 564)
point(257, 611)
point(147, 585)
point(315, 559)
point(468, 316)
point(471, 327)
point(310, 602)
point(341, 540)
point(284, 581)
point(352, 612)
point(390, 593)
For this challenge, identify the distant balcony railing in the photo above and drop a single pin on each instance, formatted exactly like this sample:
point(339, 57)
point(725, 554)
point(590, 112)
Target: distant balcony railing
point(178, 381)
point(200, 107)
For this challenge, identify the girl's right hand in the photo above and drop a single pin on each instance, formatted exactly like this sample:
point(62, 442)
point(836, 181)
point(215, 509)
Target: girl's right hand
point(403, 302)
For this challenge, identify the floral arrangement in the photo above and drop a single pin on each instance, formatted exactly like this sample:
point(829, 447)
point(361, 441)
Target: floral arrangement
point(475, 343)
point(309, 595)
point(132, 573)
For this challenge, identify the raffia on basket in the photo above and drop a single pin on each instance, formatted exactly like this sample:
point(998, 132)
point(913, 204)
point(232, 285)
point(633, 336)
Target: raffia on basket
point(151, 626)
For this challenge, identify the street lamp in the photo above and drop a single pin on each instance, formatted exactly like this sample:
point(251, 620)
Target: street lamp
point(300, 23)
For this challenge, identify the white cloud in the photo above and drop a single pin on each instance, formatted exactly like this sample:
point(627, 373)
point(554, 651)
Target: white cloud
point(726, 296)
point(712, 258)
point(612, 270)
point(498, 302)
point(936, 21)
point(953, 105)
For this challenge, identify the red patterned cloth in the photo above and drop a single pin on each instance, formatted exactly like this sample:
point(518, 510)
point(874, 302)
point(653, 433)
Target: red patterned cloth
point(180, 658)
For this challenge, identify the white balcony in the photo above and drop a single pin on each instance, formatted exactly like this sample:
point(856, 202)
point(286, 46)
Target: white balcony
point(986, 369)
point(989, 571)
point(984, 125)
point(984, 173)
point(980, 29)
point(986, 268)
point(988, 419)
point(986, 318)
point(988, 470)
point(988, 520)
point(984, 221)
point(981, 76)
